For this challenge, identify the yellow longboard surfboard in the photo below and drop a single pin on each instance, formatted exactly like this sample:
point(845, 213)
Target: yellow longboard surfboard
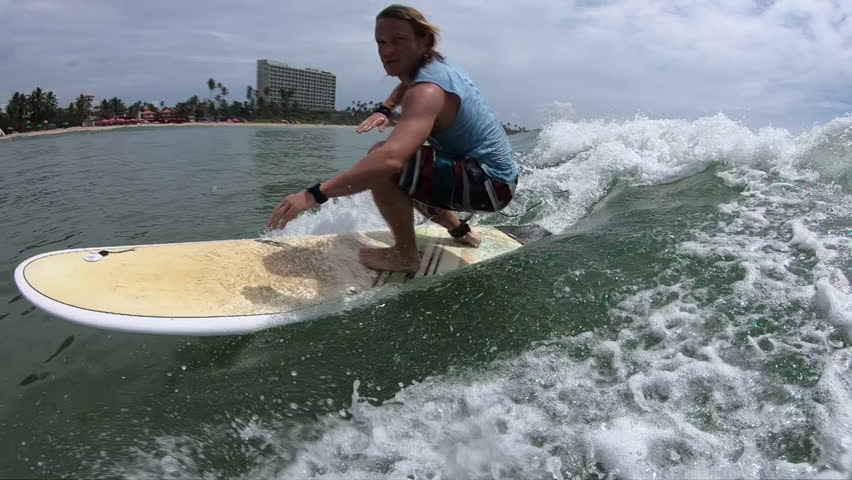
point(232, 286)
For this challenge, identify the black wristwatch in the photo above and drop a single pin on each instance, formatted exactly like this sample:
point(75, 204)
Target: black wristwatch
point(384, 110)
point(318, 195)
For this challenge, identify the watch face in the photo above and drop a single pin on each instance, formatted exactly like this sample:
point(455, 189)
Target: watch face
point(318, 195)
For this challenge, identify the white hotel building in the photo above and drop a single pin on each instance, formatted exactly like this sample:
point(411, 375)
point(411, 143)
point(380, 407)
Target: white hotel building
point(311, 89)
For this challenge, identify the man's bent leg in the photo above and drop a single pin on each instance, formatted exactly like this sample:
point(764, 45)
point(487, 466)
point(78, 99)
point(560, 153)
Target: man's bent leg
point(450, 221)
point(395, 206)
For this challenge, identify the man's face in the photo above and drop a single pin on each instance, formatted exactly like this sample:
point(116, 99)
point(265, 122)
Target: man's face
point(400, 50)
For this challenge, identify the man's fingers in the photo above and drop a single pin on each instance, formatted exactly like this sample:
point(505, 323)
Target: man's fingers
point(271, 218)
point(371, 123)
point(285, 219)
point(288, 214)
point(278, 214)
point(274, 217)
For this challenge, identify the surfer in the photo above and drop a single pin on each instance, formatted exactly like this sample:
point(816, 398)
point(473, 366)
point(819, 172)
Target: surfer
point(467, 165)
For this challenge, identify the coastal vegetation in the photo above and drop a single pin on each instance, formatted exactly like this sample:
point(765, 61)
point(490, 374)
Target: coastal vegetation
point(40, 110)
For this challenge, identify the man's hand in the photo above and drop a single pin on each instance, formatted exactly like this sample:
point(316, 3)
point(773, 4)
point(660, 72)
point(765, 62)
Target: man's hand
point(373, 121)
point(289, 208)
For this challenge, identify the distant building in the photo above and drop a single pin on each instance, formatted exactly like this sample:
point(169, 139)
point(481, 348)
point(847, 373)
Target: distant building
point(306, 88)
point(167, 115)
point(90, 120)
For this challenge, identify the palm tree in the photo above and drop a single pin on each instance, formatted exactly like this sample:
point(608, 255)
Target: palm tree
point(286, 97)
point(134, 110)
point(117, 106)
point(250, 100)
point(211, 85)
point(37, 106)
point(105, 109)
point(82, 110)
point(224, 100)
point(186, 107)
point(235, 109)
point(198, 106)
point(51, 105)
point(18, 109)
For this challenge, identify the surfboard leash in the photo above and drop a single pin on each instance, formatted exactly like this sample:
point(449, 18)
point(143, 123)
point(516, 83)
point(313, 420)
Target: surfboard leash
point(104, 253)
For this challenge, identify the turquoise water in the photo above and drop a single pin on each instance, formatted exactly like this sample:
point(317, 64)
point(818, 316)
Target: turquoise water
point(690, 319)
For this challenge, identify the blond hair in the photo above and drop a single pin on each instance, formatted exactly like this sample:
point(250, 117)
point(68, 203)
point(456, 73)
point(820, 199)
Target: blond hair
point(421, 26)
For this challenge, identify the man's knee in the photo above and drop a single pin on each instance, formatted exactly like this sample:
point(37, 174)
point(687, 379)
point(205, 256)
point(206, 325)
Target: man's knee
point(393, 164)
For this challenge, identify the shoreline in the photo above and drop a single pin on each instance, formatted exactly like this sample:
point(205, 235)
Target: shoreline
point(57, 131)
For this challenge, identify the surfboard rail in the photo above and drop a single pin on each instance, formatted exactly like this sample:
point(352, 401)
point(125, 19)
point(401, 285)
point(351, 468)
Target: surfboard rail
point(228, 287)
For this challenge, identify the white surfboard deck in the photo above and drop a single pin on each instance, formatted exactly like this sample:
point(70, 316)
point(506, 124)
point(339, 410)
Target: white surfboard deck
point(228, 287)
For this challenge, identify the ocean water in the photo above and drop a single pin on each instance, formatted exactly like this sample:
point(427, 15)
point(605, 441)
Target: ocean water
point(690, 318)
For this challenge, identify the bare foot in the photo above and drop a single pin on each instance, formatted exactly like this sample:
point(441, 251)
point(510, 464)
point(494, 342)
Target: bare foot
point(365, 250)
point(388, 260)
point(472, 239)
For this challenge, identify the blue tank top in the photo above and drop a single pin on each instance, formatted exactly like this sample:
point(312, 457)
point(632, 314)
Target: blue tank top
point(475, 132)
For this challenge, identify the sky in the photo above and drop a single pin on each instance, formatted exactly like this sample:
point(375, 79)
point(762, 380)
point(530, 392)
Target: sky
point(780, 63)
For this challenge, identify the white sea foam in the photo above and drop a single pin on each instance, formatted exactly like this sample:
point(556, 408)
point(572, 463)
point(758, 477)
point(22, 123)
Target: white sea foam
point(747, 379)
point(677, 407)
point(357, 213)
point(834, 305)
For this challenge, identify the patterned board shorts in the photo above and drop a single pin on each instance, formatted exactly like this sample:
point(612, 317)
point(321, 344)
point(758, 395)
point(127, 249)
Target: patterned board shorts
point(437, 183)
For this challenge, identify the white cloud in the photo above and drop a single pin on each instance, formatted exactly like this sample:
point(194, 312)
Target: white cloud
point(783, 62)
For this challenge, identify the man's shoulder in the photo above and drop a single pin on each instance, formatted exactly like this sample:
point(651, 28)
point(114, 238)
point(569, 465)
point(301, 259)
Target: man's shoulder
point(437, 68)
point(423, 95)
point(446, 75)
point(423, 88)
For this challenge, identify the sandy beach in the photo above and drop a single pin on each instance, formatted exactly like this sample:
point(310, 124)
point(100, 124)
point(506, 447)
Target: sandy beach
point(161, 125)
